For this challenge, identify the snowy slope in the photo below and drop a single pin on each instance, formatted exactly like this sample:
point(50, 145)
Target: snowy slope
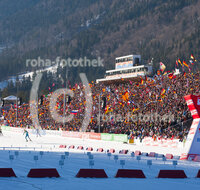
point(4, 84)
point(78, 159)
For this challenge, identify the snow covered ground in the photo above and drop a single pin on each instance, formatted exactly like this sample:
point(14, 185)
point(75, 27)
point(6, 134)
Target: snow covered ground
point(4, 83)
point(11, 142)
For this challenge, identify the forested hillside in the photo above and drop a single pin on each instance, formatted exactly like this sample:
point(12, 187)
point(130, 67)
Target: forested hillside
point(162, 29)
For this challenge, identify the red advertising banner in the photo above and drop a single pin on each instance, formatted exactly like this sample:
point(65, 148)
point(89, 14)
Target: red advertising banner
point(149, 141)
point(81, 135)
point(72, 134)
point(95, 136)
point(193, 103)
point(193, 139)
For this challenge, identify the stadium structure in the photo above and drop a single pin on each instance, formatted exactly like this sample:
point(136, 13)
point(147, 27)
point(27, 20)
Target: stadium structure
point(127, 68)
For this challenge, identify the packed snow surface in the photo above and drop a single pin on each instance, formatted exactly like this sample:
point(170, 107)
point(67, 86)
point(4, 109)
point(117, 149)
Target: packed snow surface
point(11, 142)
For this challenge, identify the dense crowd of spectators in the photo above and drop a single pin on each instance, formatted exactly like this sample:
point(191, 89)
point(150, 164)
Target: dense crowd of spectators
point(146, 107)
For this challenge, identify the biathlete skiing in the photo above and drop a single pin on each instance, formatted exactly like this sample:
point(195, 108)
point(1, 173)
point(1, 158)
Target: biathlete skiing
point(27, 135)
point(38, 132)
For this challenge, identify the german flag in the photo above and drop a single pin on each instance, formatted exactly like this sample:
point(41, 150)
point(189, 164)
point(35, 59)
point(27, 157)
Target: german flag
point(162, 96)
point(150, 81)
point(184, 63)
point(137, 84)
point(125, 96)
point(135, 109)
point(163, 91)
point(106, 110)
point(91, 119)
point(170, 75)
point(180, 62)
point(141, 81)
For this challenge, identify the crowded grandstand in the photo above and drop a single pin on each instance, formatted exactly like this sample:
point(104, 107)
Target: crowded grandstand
point(141, 106)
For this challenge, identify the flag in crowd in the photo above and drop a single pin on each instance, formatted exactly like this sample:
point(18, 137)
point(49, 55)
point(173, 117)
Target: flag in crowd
point(145, 94)
point(162, 66)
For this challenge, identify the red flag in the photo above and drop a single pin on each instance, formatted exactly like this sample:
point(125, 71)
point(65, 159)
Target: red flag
point(158, 72)
point(192, 57)
point(176, 62)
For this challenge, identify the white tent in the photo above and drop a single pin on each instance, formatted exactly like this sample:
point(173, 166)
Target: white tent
point(11, 98)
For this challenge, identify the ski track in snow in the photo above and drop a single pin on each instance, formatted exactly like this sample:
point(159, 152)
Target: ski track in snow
point(79, 159)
